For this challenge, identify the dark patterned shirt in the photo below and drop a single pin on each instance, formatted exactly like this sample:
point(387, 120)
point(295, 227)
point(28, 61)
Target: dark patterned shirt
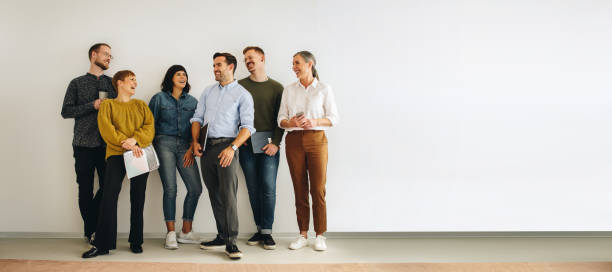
point(79, 104)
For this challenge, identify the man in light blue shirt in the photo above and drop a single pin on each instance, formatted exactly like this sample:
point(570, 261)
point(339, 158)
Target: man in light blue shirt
point(227, 108)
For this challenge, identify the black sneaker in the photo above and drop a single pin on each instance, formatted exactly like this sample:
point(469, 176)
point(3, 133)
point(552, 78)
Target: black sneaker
point(255, 239)
point(268, 242)
point(233, 252)
point(217, 243)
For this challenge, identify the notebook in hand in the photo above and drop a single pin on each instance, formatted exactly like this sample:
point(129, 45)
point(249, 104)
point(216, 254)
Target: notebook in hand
point(203, 136)
point(259, 140)
point(138, 166)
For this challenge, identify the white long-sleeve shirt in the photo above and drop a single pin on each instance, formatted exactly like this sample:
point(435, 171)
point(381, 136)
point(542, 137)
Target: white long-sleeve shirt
point(316, 102)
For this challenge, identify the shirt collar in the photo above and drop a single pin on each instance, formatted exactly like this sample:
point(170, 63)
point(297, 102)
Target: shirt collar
point(169, 94)
point(313, 84)
point(228, 86)
point(94, 76)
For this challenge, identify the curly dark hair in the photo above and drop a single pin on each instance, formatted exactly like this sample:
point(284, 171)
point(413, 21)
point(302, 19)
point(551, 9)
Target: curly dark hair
point(167, 84)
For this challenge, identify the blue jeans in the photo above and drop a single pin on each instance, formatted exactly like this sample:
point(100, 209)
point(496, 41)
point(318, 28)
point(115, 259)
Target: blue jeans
point(260, 173)
point(170, 150)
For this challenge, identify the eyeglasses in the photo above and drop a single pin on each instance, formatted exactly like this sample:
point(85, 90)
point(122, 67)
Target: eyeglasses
point(106, 55)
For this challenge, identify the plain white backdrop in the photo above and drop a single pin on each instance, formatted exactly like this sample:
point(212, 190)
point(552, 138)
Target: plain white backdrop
point(455, 115)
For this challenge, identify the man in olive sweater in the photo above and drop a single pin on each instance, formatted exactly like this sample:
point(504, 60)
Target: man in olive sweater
point(260, 169)
point(82, 102)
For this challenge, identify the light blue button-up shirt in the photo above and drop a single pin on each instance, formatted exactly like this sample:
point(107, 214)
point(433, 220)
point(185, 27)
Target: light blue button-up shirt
point(227, 109)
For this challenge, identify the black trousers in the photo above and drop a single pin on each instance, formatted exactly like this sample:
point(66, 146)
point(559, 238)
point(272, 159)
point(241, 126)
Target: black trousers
point(106, 232)
point(86, 161)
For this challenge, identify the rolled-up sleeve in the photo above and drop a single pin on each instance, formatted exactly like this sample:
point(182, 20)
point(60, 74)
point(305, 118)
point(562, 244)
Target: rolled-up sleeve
point(329, 106)
point(198, 115)
point(247, 112)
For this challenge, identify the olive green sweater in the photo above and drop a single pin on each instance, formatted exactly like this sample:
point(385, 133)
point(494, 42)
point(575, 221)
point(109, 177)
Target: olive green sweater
point(266, 98)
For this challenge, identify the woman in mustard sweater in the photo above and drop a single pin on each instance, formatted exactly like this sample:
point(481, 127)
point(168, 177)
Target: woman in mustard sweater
point(125, 124)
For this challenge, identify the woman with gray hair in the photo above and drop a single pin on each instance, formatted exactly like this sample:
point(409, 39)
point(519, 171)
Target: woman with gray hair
point(307, 110)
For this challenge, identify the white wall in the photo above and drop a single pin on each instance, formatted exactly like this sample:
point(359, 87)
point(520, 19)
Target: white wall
point(456, 115)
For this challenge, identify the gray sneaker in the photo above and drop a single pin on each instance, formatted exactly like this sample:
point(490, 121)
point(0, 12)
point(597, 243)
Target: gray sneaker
point(188, 238)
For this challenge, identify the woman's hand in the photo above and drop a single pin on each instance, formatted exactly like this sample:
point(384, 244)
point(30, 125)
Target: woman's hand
point(128, 143)
point(306, 123)
point(188, 158)
point(295, 121)
point(137, 151)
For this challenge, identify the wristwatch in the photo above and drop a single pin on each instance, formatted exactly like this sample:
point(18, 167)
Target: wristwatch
point(234, 147)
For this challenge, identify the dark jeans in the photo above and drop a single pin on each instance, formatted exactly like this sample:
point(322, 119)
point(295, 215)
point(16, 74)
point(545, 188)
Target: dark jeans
point(222, 185)
point(260, 173)
point(86, 161)
point(106, 232)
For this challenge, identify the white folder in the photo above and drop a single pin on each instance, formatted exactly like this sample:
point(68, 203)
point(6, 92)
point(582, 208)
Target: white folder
point(138, 166)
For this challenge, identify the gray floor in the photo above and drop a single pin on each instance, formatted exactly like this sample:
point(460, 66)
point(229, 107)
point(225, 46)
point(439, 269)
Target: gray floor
point(341, 250)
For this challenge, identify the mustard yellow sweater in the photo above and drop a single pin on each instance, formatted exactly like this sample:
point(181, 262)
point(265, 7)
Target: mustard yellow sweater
point(118, 121)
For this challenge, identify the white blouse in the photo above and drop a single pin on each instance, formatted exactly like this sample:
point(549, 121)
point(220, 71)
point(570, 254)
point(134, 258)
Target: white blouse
point(316, 101)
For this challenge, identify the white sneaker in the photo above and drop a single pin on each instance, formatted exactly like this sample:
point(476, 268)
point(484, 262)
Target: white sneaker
point(300, 242)
point(171, 240)
point(188, 238)
point(320, 244)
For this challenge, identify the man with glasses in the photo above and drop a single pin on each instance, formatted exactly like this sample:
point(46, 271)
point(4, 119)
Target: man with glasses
point(81, 102)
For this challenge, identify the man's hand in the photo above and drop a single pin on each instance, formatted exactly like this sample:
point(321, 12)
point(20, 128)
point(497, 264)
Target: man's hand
point(188, 158)
point(137, 151)
point(270, 149)
point(226, 156)
point(197, 149)
point(97, 103)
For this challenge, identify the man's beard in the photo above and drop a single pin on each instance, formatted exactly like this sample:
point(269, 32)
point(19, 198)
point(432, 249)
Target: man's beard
point(101, 65)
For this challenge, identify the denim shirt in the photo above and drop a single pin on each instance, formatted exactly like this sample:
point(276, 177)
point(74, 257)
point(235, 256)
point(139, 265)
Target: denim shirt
point(171, 115)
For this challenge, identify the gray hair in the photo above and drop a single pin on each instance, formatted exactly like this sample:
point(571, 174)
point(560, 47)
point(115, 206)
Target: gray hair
point(309, 57)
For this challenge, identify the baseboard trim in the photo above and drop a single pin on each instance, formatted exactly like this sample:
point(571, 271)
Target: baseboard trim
point(352, 235)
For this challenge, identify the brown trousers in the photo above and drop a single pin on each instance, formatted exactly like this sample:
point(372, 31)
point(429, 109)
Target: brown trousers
point(307, 158)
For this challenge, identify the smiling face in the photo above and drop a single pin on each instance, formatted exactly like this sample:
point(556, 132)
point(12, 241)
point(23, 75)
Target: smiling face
point(102, 57)
point(127, 85)
point(301, 68)
point(179, 79)
point(223, 71)
point(253, 60)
